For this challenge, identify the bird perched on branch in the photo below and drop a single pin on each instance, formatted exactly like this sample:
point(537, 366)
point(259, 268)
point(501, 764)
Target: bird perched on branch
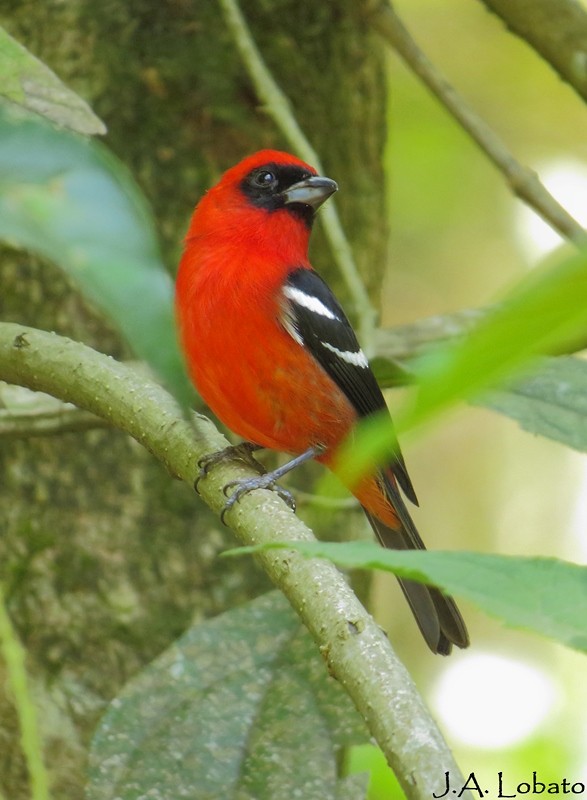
point(273, 354)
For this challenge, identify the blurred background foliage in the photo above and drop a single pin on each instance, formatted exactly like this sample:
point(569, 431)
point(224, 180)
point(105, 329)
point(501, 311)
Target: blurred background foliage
point(458, 239)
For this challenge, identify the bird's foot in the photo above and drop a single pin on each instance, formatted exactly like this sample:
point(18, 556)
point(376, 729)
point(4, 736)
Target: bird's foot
point(246, 485)
point(269, 481)
point(242, 452)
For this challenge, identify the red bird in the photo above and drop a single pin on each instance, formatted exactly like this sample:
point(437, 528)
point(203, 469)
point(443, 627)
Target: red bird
point(272, 353)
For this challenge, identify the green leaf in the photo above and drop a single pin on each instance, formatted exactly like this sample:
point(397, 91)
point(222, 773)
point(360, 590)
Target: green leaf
point(552, 403)
point(14, 658)
point(240, 706)
point(543, 595)
point(68, 199)
point(368, 758)
point(546, 314)
point(27, 82)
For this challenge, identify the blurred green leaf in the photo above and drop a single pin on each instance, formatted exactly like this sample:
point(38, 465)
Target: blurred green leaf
point(240, 706)
point(545, 314)
point(367, 758)
point(552, 403)
point(14, 658)
point(544, 595)
point(68, 199)
point(27, 82)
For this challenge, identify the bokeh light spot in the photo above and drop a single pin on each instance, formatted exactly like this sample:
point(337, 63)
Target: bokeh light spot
point(491, 702)
point(566, 180)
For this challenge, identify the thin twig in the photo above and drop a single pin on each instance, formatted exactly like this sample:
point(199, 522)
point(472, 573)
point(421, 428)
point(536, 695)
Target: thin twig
point(556, 29)
point(523, 181)
point(324, 501)
point(277, 105)
point(404, 342)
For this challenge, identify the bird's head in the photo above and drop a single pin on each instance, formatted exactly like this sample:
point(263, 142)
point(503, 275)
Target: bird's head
point(267, 194)
point(275, 181)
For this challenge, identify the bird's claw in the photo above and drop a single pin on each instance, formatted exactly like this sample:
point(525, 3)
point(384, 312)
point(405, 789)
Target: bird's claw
point(243, 452)
point(266, 480)
point(246, 485)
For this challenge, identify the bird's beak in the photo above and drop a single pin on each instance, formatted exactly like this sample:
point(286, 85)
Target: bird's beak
point(312, 191)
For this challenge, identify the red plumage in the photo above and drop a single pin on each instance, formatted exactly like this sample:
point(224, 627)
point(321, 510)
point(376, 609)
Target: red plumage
point(257, 376)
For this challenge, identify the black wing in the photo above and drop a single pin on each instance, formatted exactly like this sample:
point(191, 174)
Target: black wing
point(312, 315)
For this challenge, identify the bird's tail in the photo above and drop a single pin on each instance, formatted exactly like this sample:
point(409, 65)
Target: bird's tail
point(437, 615)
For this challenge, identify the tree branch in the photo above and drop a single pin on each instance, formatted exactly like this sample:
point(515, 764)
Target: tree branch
point(277, 105)
point(404, 342)
point(357, 651)
point(556, 29)
point(523, 181)
point(24, 413)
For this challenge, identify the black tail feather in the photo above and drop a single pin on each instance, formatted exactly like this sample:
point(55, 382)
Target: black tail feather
point(437, 615)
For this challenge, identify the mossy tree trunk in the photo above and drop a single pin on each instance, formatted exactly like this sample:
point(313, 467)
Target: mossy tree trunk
point(105, 558)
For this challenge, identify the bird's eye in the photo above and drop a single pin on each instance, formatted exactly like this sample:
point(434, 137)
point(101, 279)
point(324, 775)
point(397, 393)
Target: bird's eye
point(265, 179)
